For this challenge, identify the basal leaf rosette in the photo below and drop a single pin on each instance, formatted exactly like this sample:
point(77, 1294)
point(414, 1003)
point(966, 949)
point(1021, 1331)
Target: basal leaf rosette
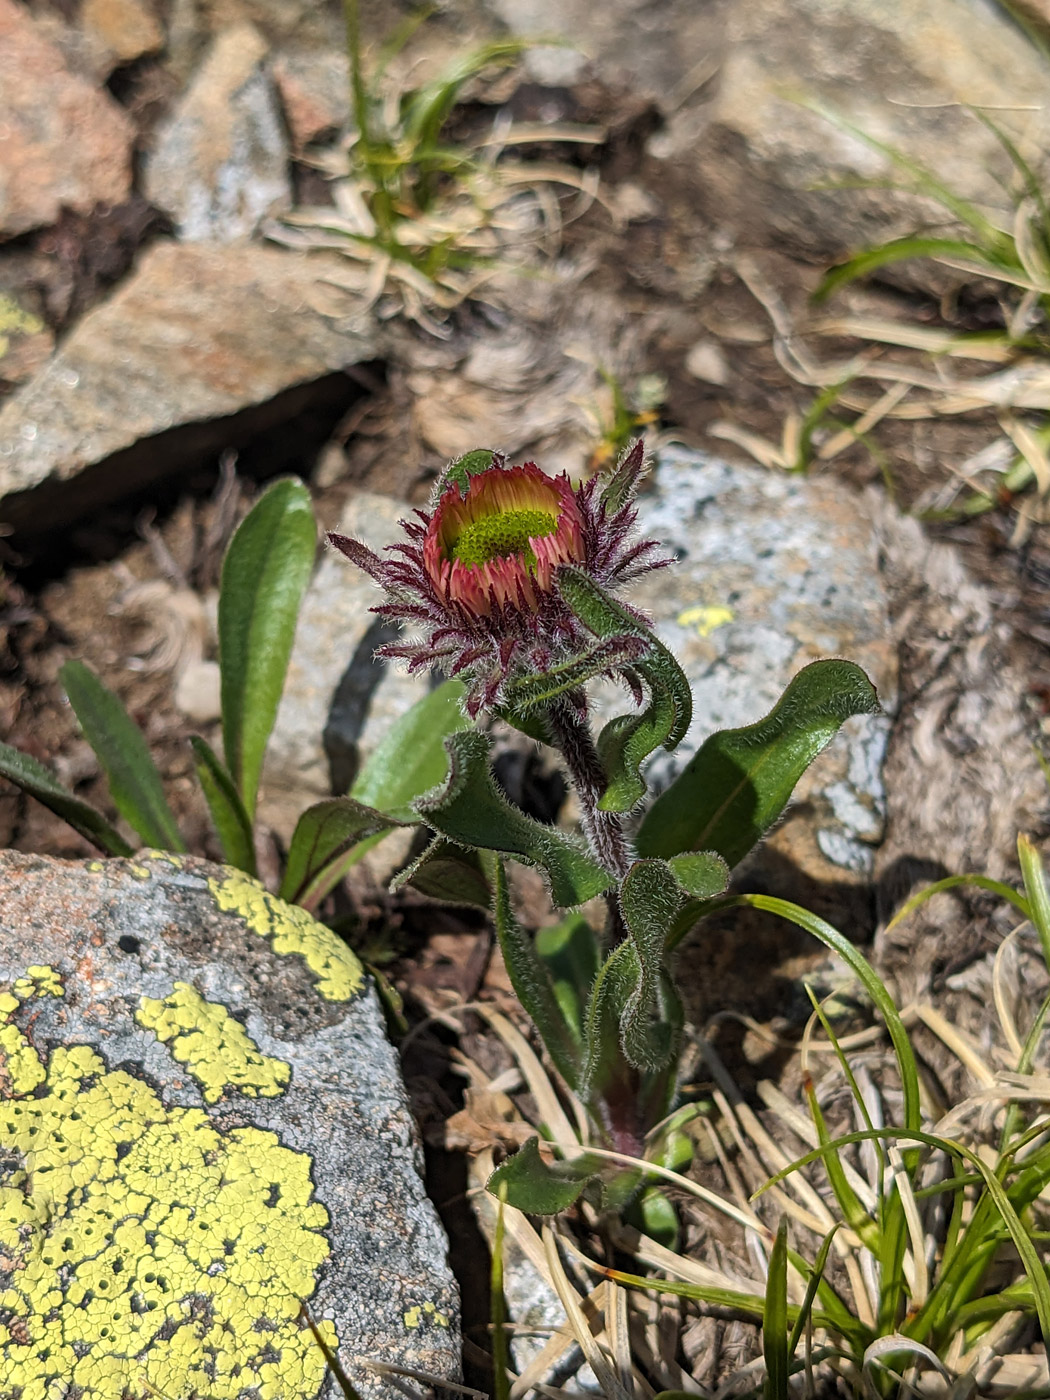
point(476, 577)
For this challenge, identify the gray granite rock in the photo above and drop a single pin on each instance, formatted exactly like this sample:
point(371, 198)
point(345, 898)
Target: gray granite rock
point(203, 1128)
point(734, 81)
point(220, 162)
point(773, 572)
point(196, 334)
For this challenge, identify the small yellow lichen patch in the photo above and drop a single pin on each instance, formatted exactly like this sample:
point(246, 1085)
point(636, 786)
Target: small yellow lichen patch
point(416, 1315)
point(214, 1045)
point(292, 930)
point(15, 321)
point(143, 1252)
point(20, 1067)
point(705, 619)
point(38, 981)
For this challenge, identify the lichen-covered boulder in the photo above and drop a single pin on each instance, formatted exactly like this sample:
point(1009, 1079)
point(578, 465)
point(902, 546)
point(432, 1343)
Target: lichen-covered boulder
point(204, 1140)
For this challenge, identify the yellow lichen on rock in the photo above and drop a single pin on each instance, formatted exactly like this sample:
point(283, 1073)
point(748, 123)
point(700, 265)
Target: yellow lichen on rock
point(291, 930)
point(213, 1045)
point(143, 1251)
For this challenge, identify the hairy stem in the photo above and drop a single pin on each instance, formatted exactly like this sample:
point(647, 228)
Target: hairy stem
point(571, 732)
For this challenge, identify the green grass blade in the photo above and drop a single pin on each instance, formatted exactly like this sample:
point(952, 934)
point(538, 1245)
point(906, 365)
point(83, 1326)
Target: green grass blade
point(915, 246)
point(924, 179)
point(812, 1286)
point(1033, 189)
point(264, 577)
point(498, 1310)
point(774, 1320)
point(1033, 873)
point(953, 882)
point(134, 783)
point(853, 1212)
point(231, 821)
point(39, 782)
point(865, 974)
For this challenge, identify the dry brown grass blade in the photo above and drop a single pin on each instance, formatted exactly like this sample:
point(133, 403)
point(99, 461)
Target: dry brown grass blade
point(536, 1077)
point(592, 1350)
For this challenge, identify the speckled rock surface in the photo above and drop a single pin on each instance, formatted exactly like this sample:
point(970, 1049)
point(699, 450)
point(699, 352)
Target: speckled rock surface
point(336, 695)
point(63, 144)
point(195, 333)
point(202, 1126)
point(773, 572)
point(220, 163)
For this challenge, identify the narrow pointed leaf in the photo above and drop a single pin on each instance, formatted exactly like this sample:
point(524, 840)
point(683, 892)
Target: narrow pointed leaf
point(231, 821)
point(134, 783)
point(528, 1183)
point(532, 983)
point(264, 577)
point(620, 488)
point(324, 835)
point(39, 782)
point(410, 759)
point(775, 1320)
point(738, 783)
point(471, 810)
point(448, 873)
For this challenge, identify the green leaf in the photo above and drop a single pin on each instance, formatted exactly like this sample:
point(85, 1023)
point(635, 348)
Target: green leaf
point(532, 983)
point(1033, 872)
point(955, 250)
point(41, 783)
point(738, 783)
point(774, 1320)
point(703, 874)
point(532, 691)
point(654, 1214)
point(463, 468)
point(134, 783)
point(410, 758)
point(865, 974)
point(264, 577)
point(628, 740)
point(651, 1016)
point(323, 837)
point(472, 811)
point(623, 746)
point(448, 873)
point(569, 951)
point(227, 810)
point(528, 1183)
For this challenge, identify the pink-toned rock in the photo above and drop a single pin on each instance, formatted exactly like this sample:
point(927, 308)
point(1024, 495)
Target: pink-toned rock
point(314, 88)
point(63, 143)
point(127, 28)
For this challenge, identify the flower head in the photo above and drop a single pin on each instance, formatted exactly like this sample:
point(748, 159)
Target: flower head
point(478, 573)
point(498, 548)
